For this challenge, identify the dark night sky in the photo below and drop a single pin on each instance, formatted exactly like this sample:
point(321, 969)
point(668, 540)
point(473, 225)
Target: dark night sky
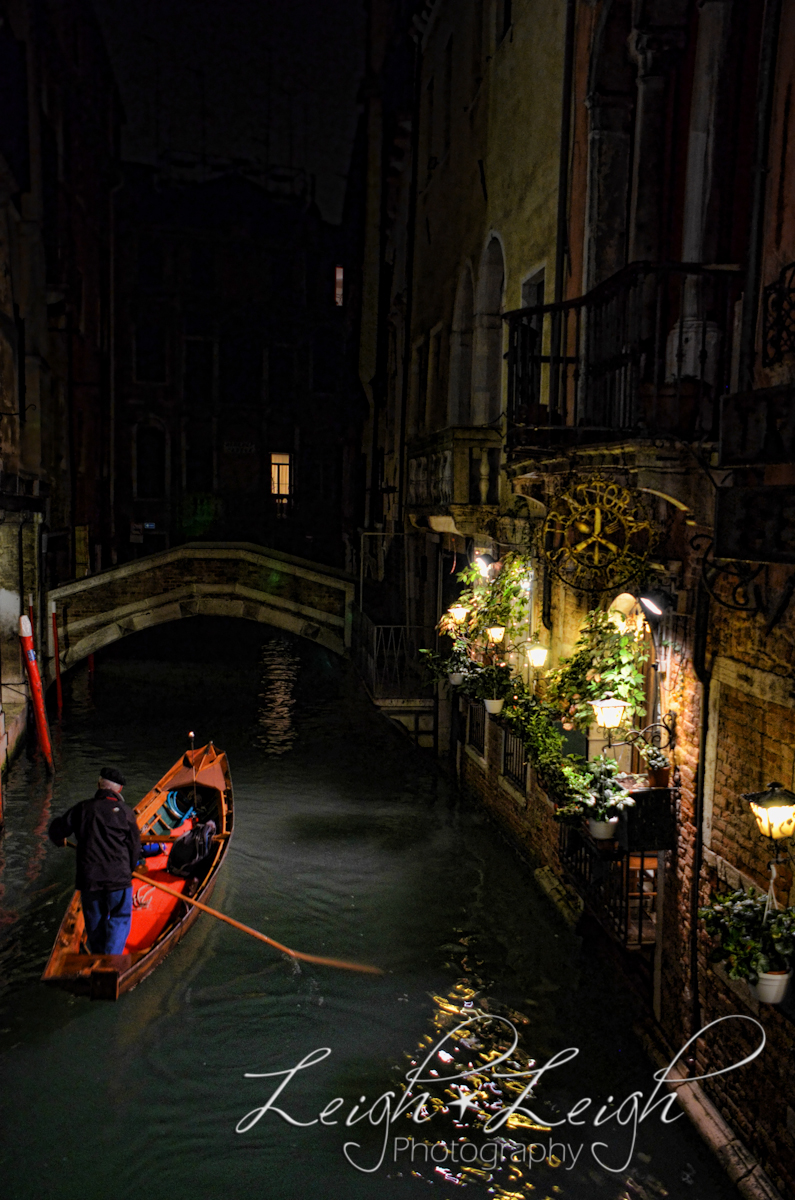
point(280, 79)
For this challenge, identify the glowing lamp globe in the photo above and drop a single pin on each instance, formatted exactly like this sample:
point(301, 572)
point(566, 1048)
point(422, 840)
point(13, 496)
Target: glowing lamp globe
point(496, 633)
point(458, 612)
point(774, 810)
point(609, 711)
point(538, 656)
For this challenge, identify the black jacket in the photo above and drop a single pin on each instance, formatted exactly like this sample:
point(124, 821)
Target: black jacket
point(108, 842)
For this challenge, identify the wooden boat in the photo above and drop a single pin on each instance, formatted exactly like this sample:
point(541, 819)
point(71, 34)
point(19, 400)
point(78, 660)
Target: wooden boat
point(198, 784)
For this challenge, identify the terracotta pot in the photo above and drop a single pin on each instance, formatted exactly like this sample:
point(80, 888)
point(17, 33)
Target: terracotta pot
point(659, 777)
point(603, 830)
point(772, 986)
point(494, 706)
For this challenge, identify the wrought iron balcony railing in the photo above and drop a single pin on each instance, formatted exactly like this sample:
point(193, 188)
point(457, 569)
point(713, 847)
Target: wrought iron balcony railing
point(459, 465)
point(388, 658)
point(651, 350)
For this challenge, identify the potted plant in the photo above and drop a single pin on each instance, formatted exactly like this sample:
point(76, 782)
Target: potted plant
point(602, 802)
point(658, 767)
point(493, 684)
point(452, 667)
point(755, 942)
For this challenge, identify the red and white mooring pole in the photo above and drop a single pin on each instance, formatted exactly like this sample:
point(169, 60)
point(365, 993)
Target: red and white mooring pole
point(36, 693)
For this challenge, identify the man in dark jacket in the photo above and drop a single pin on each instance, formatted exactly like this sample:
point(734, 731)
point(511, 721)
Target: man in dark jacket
point(108, 847)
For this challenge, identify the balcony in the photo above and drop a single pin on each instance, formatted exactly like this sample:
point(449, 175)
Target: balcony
point(619, 880)
point(456, 467)
point(647, 353)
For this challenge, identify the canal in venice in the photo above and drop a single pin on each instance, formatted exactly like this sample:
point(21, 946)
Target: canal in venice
point(347, 844)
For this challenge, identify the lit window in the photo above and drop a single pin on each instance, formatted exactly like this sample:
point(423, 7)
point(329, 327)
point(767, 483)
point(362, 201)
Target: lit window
point(281, 482)
point(339, 278)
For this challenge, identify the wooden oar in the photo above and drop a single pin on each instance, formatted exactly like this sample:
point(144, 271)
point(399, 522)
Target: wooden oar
point(313, 958)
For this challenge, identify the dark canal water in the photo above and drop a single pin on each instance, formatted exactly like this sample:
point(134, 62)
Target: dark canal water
point(347, 844)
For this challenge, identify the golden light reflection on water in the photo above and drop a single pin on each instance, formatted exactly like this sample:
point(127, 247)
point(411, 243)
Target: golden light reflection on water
point(279, 665)
point(475, 1048)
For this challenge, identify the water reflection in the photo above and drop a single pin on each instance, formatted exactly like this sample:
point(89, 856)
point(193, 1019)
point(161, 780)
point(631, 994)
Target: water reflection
point(279, 663)
point(350, 846)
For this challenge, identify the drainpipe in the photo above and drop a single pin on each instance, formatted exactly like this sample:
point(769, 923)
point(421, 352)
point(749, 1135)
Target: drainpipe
point(764, 115)
point(704, 676)
point(561, 242)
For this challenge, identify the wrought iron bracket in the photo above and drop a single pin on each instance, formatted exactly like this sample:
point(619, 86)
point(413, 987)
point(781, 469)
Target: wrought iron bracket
point(738, 577)
point(652, 735)
point(778, 305)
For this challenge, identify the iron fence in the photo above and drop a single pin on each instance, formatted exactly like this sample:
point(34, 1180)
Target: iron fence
point(476, 732)
point(619, 887)
point(514, 762)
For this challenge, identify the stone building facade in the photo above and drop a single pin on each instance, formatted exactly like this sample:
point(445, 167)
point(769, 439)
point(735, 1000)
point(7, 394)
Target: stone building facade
point(233, 393)
point(579, 271)
point(59, 141)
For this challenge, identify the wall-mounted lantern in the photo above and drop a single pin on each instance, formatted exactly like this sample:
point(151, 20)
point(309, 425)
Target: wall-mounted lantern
point(774, 810)
point(609, 711)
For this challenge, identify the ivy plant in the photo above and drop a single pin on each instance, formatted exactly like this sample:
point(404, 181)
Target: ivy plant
point(501, 600)
point(608, 660)
point(536, 723)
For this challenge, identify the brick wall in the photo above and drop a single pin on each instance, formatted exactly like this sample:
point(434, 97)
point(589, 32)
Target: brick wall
point(529, 822)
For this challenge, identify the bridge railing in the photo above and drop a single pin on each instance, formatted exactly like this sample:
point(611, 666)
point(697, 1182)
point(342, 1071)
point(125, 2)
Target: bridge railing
point(388, 659)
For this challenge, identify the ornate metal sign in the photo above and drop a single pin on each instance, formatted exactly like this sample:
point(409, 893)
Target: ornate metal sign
point(597, 536)
point(778, 302)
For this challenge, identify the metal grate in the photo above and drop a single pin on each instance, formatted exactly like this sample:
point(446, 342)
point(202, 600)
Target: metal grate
point(477, 728)
point(514, 763)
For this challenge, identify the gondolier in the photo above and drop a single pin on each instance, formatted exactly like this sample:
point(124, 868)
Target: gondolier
point(108, 847)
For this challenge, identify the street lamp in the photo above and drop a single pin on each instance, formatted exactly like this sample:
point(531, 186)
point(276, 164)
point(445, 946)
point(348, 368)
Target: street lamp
point(609, 711)
point(538, 656)
point(496, 633)
point(774, 810)
point(458, 612)
point(651, 606)
point(485, 562)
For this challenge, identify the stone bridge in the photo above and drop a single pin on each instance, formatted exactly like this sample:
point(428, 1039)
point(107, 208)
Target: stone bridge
point(223, 579)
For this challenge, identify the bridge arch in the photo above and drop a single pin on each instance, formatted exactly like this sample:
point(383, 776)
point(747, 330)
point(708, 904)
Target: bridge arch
point(203, 579)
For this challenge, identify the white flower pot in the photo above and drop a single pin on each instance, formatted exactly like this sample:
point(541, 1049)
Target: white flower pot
point(603, 829)
point(772, 986)
point(494, 706)
point(456, 678)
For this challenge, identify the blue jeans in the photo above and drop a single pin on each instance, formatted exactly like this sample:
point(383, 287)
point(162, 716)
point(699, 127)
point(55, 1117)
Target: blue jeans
point(108, 916)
